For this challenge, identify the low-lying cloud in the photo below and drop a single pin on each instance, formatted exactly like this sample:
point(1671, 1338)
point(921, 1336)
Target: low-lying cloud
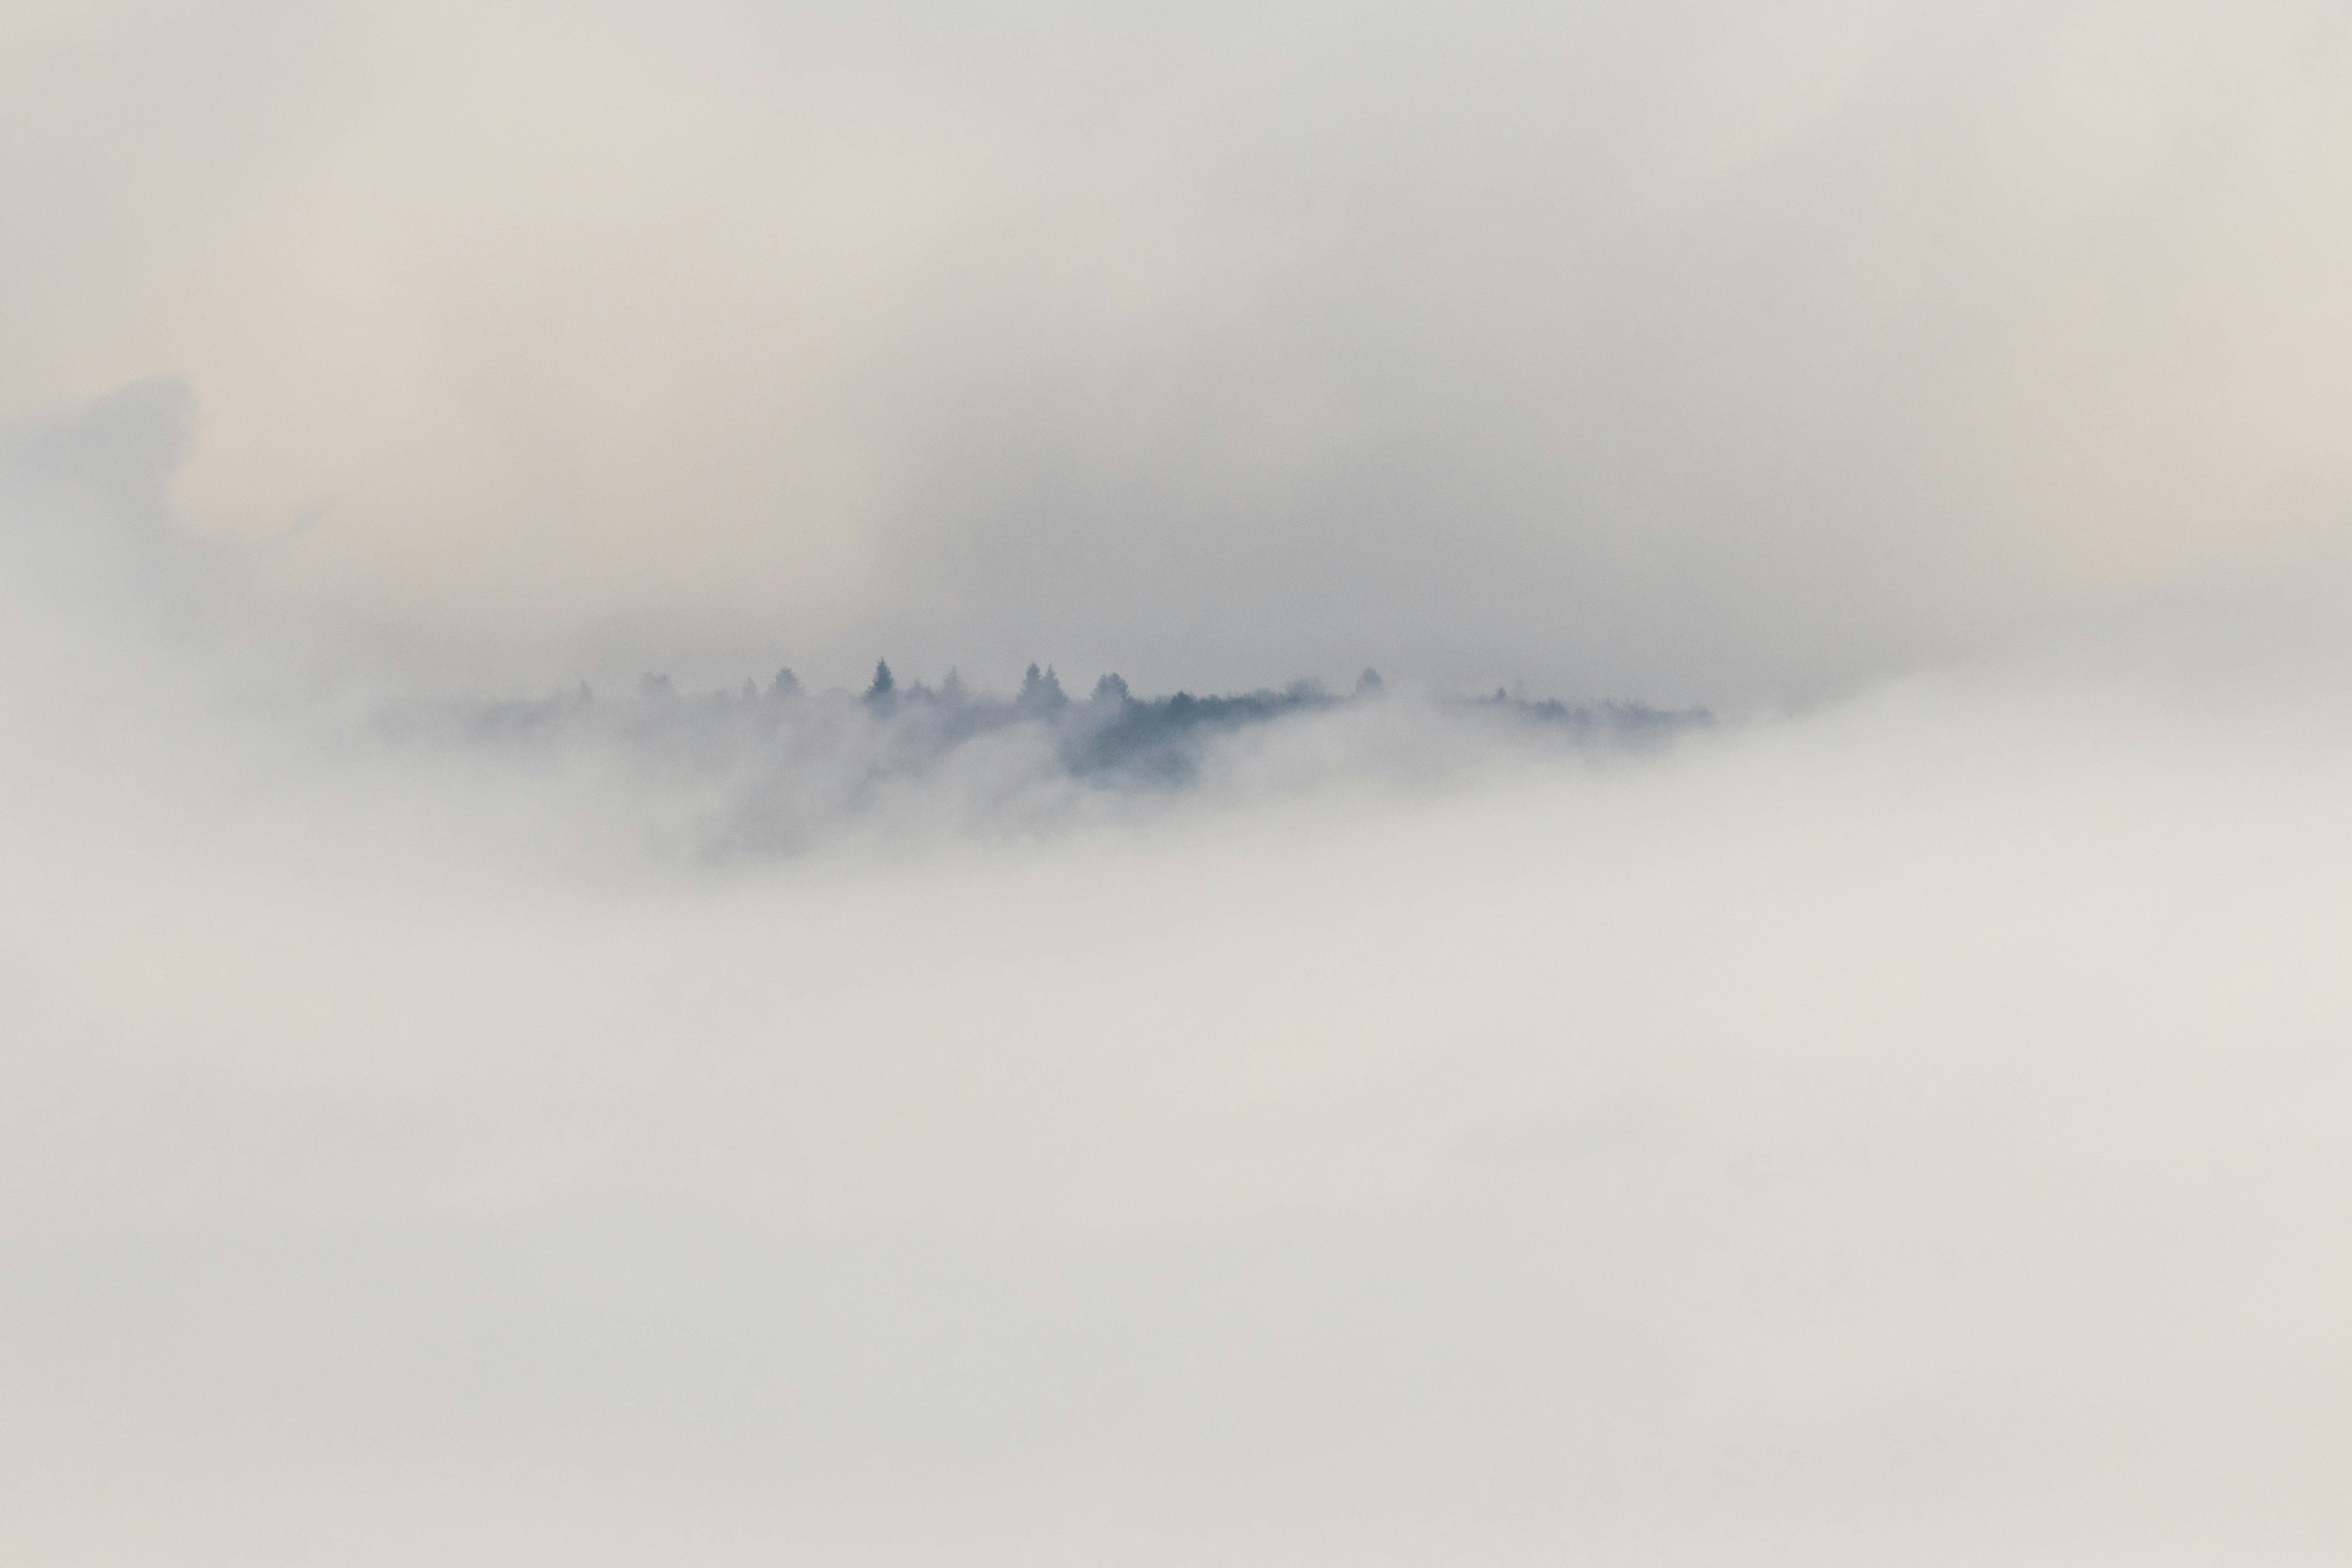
point(1908, 1132)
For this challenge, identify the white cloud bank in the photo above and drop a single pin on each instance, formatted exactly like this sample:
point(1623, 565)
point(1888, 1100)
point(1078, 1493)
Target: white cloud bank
point(1911, 1136)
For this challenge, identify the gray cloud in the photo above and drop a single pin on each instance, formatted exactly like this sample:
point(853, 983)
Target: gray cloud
point(1695, 352)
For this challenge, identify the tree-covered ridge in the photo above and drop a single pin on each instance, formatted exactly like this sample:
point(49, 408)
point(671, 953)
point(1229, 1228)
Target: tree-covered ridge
point(1111, 736)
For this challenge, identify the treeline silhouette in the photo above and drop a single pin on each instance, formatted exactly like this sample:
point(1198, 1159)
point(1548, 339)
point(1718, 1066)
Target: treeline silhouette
point(1111, 736)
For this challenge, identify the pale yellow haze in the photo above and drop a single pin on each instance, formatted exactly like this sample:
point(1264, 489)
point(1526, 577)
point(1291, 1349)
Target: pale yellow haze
point(1778, 345)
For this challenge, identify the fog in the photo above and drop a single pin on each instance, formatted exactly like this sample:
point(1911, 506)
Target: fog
point(1909, 1131)
point(1802, 1021)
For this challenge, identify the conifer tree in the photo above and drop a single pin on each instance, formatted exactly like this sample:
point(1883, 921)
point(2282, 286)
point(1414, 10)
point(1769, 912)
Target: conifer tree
point(1041, 693)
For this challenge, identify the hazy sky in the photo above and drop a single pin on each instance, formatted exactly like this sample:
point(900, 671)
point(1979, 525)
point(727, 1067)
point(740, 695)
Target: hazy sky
point(1687, 350)
point(1901, 1126)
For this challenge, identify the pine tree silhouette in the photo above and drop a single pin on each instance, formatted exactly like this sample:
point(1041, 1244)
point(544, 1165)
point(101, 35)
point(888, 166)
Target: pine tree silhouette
point(1041, 693)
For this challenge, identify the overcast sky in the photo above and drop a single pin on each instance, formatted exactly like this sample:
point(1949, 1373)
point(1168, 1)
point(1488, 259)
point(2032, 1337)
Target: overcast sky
point(1728, 352)
point(1901, 1125)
